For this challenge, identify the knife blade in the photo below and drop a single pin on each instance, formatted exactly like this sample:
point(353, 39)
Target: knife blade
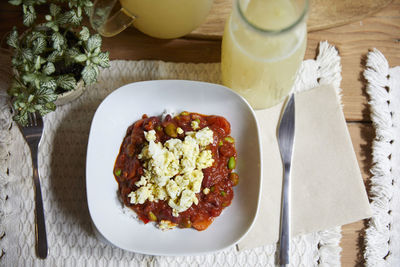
point(285, 141)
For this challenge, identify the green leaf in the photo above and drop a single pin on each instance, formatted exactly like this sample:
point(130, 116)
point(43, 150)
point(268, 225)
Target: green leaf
point(49, 68)
point(12, 39)
point(50, 84)
point(50, 107)
point(63, 18)
point(45, 95)
point(30, 98)
point(16, 88)
point(58, 40)
point(73, 17)
point(21, 118)
point(37, 63)
point(97, 51)
point(89, 74)
point(15, 2)
point(27, 54)
point(70, 54)
point(102, 60)
point(54, 55)
point(88, 3)
point(29, 77)
point(84, 34)
point(66, 82)
point(88, 10)
point(35, 34)
point(80, 58)
point(54, 10)
point(39, 45)
point(93, 42)
point(29, 15)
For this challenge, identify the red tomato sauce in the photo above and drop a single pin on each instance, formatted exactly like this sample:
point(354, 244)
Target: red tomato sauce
point(219, 178)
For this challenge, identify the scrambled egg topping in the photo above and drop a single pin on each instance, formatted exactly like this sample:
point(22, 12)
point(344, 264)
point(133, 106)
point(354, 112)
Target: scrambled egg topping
point(173, 171)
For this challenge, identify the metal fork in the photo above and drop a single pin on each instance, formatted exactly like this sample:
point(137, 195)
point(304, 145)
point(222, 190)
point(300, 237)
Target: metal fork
point(33, 133)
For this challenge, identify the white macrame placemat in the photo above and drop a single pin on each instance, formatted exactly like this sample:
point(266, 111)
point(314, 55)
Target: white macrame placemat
point(62, 157)
point(382, 242)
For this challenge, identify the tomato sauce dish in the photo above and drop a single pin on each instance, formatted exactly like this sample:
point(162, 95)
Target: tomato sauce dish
point(173, 168)
point(177, 171)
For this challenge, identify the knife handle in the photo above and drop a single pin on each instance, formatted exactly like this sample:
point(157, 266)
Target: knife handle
point(284, 238)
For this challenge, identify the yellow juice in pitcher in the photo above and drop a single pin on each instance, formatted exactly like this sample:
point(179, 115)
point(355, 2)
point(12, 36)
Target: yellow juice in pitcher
point(167, 18)
point(262, 48)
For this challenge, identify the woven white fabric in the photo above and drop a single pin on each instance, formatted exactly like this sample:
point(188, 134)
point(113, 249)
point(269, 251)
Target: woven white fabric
point(62, 167)
point(382, 242)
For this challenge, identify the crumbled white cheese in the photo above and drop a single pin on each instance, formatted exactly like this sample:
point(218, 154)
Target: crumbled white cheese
point(150, 135)
point(206, 191)
point(188, 197)
point(173, 171)
point(166, 225)
point(141, 195)
point(179, 130)
point(143, 181)
point(204, 137)
point(173, 189)
point(204, 160)
point(195, 125)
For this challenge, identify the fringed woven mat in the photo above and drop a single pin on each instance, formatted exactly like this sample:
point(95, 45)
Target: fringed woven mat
point(62, 167)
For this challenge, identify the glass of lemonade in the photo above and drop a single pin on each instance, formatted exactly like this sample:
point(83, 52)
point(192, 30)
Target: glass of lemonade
point(262, 48)
point(158, 18)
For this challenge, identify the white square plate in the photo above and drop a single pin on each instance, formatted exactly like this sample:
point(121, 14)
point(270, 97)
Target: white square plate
point(126, 105)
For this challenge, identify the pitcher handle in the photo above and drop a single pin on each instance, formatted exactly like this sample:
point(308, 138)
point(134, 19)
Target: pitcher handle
point(109, 25)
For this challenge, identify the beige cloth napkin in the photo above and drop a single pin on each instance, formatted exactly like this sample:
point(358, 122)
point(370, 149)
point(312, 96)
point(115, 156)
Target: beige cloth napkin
point(327, 187)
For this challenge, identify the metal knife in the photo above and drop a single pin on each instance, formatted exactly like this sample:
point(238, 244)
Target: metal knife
point(285, 141)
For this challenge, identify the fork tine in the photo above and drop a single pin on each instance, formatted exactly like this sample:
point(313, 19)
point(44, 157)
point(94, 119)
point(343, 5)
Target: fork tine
point(30, 120)
point(39, 119)
point(33, 115)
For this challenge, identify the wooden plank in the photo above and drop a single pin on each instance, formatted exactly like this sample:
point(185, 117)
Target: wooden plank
point(381, 31)
point(323, 14)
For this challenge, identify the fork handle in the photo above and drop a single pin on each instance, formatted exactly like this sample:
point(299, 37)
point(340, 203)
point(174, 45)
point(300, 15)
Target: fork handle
point(284, 243)
point(40, 225)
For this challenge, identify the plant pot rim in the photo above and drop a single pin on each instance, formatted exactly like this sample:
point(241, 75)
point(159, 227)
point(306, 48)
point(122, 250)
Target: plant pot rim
point(70, 95)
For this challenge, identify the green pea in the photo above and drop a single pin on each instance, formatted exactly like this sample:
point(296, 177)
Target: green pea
point(234, 178)
point(118, 172)
point(223, 193)
point(158, 128)
point(186, 224)
point(229, 139)
point(184, 113)
point(170, 129)
point(152, 217)
point(220, 143)
point(231, 163)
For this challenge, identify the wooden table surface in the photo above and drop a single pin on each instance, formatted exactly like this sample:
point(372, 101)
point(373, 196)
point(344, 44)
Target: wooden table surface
point(353, 41)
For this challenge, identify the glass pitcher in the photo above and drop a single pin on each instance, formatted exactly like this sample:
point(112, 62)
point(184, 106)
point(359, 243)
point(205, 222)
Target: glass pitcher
point(262, 49)
point(157, 18)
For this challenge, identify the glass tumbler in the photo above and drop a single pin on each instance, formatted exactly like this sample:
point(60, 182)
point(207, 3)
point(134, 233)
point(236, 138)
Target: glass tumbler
point(263, 46)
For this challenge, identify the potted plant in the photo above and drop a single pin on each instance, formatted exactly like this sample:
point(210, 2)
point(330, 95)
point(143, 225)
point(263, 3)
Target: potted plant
point(53, 58)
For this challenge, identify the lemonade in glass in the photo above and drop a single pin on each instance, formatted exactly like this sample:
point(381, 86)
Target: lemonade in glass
point(158, 18)
point(262, 49)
